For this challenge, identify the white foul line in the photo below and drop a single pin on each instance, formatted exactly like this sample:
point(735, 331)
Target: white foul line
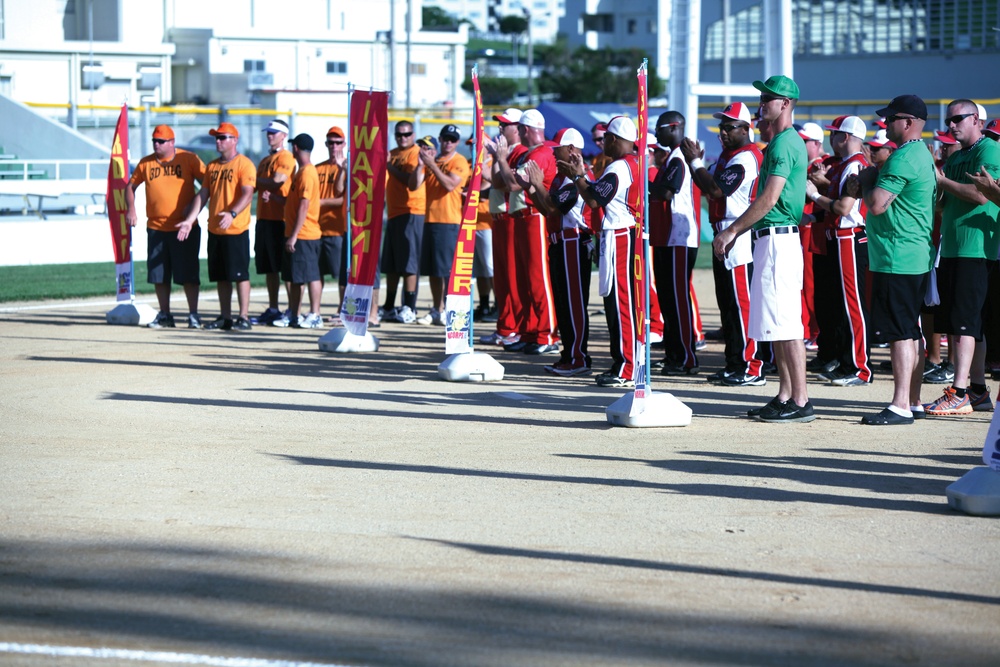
point(152, 656)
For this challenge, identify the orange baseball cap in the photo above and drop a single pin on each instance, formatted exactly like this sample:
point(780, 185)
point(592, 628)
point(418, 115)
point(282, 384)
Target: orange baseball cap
point(163, 132)
point(225, 128)
point(335, 131)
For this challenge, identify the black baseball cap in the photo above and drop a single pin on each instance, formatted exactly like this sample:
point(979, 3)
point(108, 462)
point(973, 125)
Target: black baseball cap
point(303, 142)
point(908, 104)
point(450, 132)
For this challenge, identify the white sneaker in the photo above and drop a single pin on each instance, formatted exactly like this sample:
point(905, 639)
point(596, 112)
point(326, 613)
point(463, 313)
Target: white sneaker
point(284, 320)
point(438, 318)
point(433, 316)
point(312, 321)
point(496, 339)
point(405, 315)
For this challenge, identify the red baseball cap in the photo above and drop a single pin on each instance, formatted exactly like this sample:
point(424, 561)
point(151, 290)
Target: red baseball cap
point(945, 137)
point(993, 127)
point(735, 111)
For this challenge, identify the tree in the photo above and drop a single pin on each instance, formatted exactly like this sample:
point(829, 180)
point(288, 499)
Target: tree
point(495, 91)
point(437, 18)
point(586, 75)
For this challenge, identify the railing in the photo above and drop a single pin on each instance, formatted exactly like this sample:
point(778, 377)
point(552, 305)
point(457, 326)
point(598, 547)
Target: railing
point(53, 169)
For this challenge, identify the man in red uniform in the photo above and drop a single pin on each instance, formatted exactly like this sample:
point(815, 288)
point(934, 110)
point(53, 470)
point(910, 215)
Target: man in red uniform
point(847, 251)
point(618, 192)
point(538, 333)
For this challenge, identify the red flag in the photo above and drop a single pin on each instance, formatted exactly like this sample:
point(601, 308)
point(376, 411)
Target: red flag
point(121, 232)
point(640, 246)
point(458, 303)
point(368, 154)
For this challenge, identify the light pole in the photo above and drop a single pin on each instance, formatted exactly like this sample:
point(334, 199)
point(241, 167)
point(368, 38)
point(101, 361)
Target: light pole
point(531, 77)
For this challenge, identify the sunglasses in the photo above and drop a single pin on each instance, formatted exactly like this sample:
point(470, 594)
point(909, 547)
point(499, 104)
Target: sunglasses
point(446, 140)
point(222, 137)
point(599, 140)
point(158, 142)
point(668, 125)
point(731, 127)
point(893, 119)
point(957, 118)
point(334, 143)
point(767, 99)
point(404, 134)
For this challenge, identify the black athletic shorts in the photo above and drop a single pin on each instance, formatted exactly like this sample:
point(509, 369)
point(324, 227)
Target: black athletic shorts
point(302, 266)
point(229, 257)
point(895, 306)
point(401, 244)
point(167, 258)
point(333, 258)
point(962, 284)
point(269, 246)
point(437, 251)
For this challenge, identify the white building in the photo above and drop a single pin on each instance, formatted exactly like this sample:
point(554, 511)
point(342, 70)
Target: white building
point(104, 52)
point(485, 15)
point(642, 24)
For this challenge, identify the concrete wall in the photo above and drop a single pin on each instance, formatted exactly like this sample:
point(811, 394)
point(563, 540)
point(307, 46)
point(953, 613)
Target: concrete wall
point(27, 135)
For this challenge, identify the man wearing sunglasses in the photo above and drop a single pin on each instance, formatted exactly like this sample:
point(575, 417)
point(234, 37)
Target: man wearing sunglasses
point(333, 210)
point(229, 186)
point(900, 197)
point(970, 241)
point(406, 205)
point(169, 175)
point(730, 188)
point(774, 215)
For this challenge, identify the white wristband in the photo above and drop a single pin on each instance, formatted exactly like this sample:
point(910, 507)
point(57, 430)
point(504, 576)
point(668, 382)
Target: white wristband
point(697, 164)
point(815, 196)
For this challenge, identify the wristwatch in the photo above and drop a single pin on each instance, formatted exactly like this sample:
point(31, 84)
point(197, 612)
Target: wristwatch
point(232, 214)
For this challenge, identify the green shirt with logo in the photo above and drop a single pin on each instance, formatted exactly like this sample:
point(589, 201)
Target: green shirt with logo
point(899, 240)
point(785, 156)
point(969, 229)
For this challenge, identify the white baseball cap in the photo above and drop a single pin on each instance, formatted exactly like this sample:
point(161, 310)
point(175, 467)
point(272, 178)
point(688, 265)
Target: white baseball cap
point(277, 125)
point(851, 125)
point(623, 127)
point(982, 112)
point(880, 139)
point(510, 116)
point(569, 136)
point(811, 131)
point(532, 118)
point(735, 111)
point(651, 141)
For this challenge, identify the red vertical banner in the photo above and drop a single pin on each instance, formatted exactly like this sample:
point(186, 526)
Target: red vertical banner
point(369, 114)
point(458, 302)
point(640, 265)
point(121, 231)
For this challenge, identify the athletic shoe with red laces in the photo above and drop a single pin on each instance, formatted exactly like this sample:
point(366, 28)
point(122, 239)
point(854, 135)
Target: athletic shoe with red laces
point(949, 404)
point(567, 369)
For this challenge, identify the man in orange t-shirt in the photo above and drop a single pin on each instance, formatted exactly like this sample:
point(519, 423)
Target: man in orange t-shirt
point(406, 206)
point(300, 266)
point(274, 179)
point(228, 189)
point(445, 175)
point(169, 175)
point(333, 209)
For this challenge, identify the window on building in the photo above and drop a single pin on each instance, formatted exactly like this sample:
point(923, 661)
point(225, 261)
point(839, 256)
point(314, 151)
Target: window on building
point(630, 26)
point(867, 27)
point(336, 67)
point(599, 22)
point(254, 66)
point(418, 68)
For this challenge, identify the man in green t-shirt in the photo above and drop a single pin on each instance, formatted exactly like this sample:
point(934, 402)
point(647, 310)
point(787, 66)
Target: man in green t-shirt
point(776, 286)
point(900, 199)
point(970, 240)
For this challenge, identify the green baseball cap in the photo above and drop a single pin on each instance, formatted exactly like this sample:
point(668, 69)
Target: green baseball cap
point(778, 86)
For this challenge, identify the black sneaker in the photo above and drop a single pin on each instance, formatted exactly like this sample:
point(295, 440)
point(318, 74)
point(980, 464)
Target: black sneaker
point(790, 413)
point(220, 324)
point(491, 315)
point(886, 418)
point(162, 321)
point(818, 365)
point(242, 324)
point(516, 347)
point(767, 368)
point(938, 374)
point(773, 406)
point(719, 376)
point(744, 380)
point(672, 369)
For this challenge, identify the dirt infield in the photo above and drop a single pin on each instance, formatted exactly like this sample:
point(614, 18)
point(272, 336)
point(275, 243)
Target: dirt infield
point(244, 494)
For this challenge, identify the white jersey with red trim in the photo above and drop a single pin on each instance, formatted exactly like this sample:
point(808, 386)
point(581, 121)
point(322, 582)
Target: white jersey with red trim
point(569, 202)
point(736, 175)
point(683, 225)
point(618, 190)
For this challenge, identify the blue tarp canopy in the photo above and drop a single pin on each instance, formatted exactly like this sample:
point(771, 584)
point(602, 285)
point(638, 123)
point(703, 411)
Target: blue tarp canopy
point(583, 117)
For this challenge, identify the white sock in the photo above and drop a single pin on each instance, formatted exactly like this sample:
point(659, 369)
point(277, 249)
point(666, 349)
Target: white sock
point(900, 411)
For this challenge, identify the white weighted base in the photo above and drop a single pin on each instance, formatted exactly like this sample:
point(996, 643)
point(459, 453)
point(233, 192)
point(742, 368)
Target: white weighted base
point(131, 314)
point(342, 340)
point(976, 492)
point(470, 367)
point(661, 410)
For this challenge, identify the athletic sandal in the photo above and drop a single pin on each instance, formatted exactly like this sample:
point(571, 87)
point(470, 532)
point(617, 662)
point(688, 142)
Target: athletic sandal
point(886, 418)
